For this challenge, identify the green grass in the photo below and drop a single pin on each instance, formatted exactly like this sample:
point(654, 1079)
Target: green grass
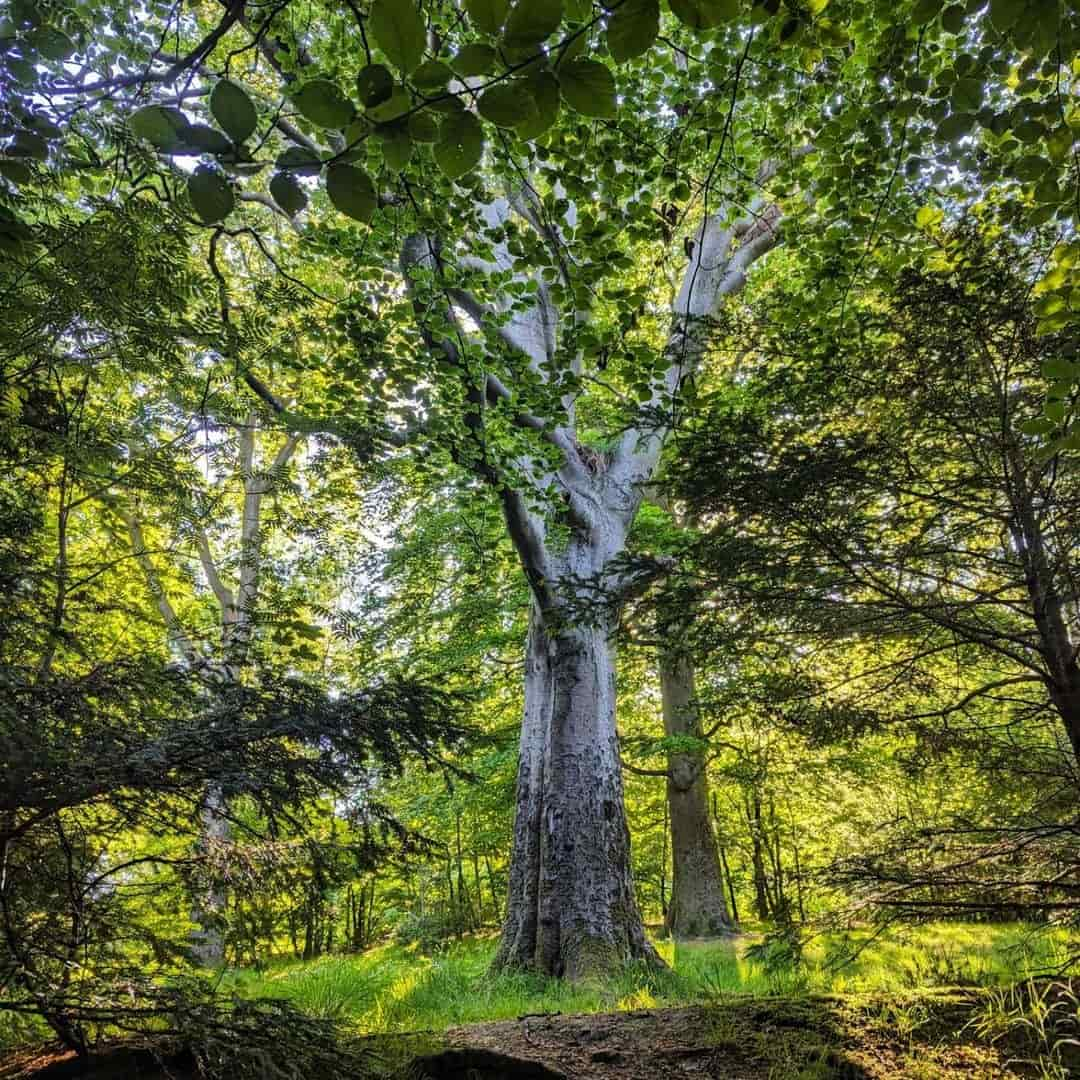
point(395, 988)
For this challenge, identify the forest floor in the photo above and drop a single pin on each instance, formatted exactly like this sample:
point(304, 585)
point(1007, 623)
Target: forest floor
point(933, 1002)
point(923, 1038)
point(945, 1035)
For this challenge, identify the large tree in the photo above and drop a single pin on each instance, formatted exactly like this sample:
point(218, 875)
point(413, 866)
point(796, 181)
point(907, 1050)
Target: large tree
point(503, 311)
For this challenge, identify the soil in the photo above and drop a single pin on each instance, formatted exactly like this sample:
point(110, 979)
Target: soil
point(764, 1040)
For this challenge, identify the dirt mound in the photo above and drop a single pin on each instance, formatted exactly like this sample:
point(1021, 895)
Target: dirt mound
point(759, 1040)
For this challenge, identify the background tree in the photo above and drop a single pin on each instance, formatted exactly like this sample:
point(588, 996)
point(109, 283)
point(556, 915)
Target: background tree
point(940, 543)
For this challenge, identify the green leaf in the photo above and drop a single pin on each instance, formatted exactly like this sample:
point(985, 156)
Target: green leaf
point(51, 43)
point(21, 70)
point(460, 145)
point(924, 11)
point(397, 146)
point(544, 88)
point(399, 31)
point(18, 172)
point(487, 15)
point(1057, 367)
point(1004, 13)
point(432, 75)
point(159, 125)
point(1038, 426)
point(423, 127)
point(531, 21)
point(953, 17)
point(927, 217)
point(1048, 191)
point(374, 85)
point(397, 104)
point(704, 14)
point(208, 139)
point(632, 28)
point(967, 95)
point(351, 191)
point(233, 110)
point(1031, 167)
point(299, 161)
point(955, 126)
point(589, 87)
point(507, 104)
point(287, 192)
point(1059, 143)
point(475, 59)
point(28, 144)
point(1029, 131)
point(210, 194)
point(322, 102)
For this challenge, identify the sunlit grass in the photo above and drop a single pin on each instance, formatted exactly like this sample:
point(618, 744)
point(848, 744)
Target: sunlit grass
point(395, 988)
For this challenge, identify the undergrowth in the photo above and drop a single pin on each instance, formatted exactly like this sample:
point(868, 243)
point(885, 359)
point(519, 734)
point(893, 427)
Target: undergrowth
point(398, 988)
point(395, 988)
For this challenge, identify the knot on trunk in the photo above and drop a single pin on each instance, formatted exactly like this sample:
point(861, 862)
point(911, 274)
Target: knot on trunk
point(596, 461)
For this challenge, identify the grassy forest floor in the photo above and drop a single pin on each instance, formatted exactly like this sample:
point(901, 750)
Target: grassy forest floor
point(396, 988)
point(931, 1003)
point(935, 1002)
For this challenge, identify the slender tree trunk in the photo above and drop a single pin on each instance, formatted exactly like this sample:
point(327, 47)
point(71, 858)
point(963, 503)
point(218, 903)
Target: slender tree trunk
point(571, 909)
point(698, 907)
point(761, 884)
point(479, 890)
point(730, 887)
point(663, 865)
point(209, 914)
point(491, 886)
point(1057, 647)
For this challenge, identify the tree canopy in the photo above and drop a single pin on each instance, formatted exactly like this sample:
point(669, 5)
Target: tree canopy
point(671, 405)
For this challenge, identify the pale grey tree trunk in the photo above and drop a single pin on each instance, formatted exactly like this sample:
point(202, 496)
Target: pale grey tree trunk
point(208, 910)
point(571, 906)
point(698, 907)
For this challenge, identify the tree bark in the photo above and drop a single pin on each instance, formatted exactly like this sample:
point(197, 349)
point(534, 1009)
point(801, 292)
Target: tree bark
point(1057, 647)
point(698, 907)
point(209, 912)
point(571, 908)
point(761, 885)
